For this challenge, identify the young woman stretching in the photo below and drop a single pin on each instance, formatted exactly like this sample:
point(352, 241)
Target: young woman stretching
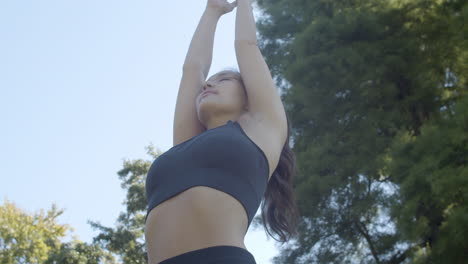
point(229, 135)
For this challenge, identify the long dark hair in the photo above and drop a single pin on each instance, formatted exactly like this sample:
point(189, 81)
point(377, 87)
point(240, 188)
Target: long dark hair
point(279, 208)
point(280, 212)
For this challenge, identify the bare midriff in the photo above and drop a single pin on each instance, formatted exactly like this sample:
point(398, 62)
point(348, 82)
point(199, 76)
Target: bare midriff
point(197, 218)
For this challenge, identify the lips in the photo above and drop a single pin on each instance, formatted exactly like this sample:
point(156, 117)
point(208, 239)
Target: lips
point(206, 93)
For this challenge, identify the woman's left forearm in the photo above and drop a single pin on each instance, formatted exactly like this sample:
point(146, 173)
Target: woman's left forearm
point(246, 31)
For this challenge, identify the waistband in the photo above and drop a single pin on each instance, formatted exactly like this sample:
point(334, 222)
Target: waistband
point(213, 255)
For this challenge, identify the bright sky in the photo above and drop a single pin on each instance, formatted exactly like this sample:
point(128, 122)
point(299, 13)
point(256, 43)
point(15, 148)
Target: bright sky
point(83, 86)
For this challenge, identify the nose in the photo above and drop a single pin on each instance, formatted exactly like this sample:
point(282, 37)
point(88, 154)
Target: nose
point(207, 85)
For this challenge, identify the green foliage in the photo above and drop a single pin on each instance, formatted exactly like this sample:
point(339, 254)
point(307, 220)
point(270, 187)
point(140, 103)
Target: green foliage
point(359, 77)
point(431, 170)
point(26, 238)
point(127, 238)
point(76, 252)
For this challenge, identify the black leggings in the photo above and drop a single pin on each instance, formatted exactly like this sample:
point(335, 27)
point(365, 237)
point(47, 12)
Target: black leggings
point(213, 255)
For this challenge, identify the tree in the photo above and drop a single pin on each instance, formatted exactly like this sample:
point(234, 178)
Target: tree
point(433, 177)
point(355, 75)
point(26, 238)
point(127, 238)
point(76, 252)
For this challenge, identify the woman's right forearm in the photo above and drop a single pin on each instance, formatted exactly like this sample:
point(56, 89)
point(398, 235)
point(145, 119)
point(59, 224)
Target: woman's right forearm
point(200, 52)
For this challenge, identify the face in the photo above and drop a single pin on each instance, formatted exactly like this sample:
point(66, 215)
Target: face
point(228, 97)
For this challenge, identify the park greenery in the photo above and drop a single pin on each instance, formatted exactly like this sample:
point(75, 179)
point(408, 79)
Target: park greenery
point(33, 238)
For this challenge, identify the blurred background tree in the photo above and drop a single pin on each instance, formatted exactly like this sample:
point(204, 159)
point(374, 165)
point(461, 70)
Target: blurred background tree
point(34, 239)
point(376, 94)
point(127, 239)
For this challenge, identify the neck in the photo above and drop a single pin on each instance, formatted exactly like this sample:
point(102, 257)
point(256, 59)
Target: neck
point(217, 121)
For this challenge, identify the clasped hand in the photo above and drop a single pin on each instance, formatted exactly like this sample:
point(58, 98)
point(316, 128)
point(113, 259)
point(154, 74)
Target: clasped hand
point(221, 6)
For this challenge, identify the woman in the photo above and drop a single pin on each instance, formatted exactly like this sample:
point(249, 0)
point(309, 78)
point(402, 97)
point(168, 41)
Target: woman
point(231, 135)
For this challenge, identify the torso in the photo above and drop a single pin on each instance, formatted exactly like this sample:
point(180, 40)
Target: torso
point(191, 221)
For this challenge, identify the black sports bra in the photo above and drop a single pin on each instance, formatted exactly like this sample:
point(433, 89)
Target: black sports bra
point(224, 158)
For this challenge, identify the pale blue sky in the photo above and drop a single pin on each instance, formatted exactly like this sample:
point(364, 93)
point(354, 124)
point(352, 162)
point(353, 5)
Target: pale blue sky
point(83, 86)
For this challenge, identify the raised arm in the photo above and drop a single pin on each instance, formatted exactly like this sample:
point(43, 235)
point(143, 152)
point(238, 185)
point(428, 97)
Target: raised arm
point(200, 52)
point(195, 70)
point(264, 100)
